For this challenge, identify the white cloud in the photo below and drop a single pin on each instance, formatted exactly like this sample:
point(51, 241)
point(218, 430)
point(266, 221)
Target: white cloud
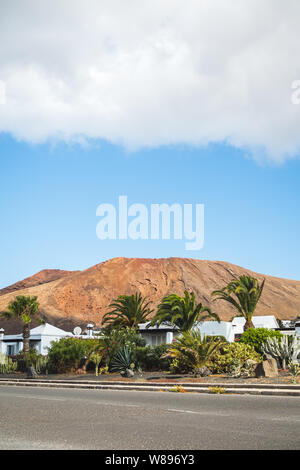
point(149, 73)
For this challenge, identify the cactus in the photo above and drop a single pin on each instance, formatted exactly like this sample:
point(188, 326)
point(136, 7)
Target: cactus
point(238, 369)
point(7, 365)
point(42, 364)
point(96, 359)
point(283, 350)
point(294, 368)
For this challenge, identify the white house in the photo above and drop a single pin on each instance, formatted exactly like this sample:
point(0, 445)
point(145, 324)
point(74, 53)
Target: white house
point(166, 333)
point(40, 338)
point(264, 321)
point(154, 335)
point(214, 328)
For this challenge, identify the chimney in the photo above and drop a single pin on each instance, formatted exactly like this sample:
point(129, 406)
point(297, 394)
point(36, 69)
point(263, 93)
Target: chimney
point(89, 328)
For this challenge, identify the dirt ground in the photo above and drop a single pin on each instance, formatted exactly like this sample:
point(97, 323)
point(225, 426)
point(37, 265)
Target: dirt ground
point(284, 377)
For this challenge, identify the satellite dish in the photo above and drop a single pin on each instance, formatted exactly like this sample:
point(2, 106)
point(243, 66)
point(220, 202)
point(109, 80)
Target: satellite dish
point(77, 331)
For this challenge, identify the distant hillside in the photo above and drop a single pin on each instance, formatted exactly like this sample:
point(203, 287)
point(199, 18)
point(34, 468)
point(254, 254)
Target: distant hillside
point(47, 275)
point(71, 298)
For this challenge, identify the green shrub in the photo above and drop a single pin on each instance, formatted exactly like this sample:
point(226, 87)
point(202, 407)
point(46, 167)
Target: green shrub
point(256, 337)
point(115, 339)
point(180, 365)
point(222, 360)
point(150, 359)
point(217, 390)
point(192, 351)
point(32, 358)
point(69, 353)
point(7, 365)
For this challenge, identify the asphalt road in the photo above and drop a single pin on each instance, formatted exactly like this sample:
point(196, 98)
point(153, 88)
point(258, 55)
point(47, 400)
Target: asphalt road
point(41, 418)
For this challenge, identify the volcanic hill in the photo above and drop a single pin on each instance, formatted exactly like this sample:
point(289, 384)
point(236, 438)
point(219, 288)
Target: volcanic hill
point(69, 298)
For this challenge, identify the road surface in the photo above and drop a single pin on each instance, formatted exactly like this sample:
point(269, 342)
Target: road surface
point(49, 418)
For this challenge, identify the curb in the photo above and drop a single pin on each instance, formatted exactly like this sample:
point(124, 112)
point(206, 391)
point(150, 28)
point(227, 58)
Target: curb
point(289, 390)
point(159, 384)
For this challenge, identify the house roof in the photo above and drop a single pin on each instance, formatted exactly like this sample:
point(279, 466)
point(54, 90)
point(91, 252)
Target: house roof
point(162, 326)
point(257, 320)
point(48, 330)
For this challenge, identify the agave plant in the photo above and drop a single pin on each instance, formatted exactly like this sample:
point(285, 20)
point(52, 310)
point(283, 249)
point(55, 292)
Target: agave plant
point(122, 361)
point(193, 349)
point(284, 350)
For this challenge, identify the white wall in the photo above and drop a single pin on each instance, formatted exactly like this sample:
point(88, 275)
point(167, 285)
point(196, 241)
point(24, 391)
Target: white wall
point(264, 321)
point(214, 328)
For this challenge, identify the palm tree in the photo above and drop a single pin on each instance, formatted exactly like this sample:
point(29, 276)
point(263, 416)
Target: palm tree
point(25, 309)
point(182, 312)
point(193, 350)
point(127, 311)
point(243, 293)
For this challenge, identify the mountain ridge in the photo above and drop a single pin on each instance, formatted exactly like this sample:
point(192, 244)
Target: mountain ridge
point(70, 298)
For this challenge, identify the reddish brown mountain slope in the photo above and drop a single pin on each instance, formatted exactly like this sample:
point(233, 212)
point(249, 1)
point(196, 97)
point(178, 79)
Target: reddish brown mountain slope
point(79, 297)
point(47, 275)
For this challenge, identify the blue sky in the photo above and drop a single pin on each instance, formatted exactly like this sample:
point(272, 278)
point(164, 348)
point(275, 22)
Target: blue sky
point(163, 102)
point(50, 192)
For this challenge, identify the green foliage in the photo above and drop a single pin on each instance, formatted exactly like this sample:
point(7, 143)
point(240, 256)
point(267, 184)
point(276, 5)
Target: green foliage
point(222, 360)
point(42, 364)
point(32, 358)
point(7, 365)
point(103, 370)
point(68, 353)
point(25, 309)
point(239, 369)
point(180, 365)
point(115, 339)
point(96, 358)
point(284, 350)
point(243, 293)
point(28, 359)
point(177, 389)
point(182, 312)
point(217, 390)
point(256, 337)
point(151, 359)
point(193, 351)
point(122, 360)
point(294, 369)
point(128, 311)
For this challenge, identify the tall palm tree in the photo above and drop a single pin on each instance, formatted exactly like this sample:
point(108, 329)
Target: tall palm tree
point(243, 293)
point(193, 349)
point(182, 312)
point(127, 311)
point(25, 309)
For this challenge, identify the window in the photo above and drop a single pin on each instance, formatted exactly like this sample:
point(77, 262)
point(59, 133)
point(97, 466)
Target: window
point(158, 339)
point(10, 349)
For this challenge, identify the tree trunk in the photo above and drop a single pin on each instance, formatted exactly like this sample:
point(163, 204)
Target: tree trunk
point(248, 324)
point(26, 334)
